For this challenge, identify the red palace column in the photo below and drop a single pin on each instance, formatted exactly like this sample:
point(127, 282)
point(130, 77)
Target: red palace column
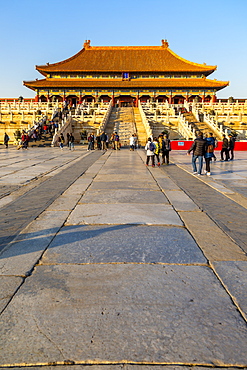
point(213, 98)
point(113, 100)
point(136, 102)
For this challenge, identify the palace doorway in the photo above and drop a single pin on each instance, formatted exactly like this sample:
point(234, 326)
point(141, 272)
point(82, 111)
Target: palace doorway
point(178, 99)
point(72, 100)
point(125, 101)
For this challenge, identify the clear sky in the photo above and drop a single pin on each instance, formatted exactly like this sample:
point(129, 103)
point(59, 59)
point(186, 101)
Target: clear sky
point(36, 32)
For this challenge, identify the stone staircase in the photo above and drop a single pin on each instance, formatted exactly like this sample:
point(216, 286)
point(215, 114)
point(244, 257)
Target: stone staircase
point(140, 129)
point(79, 127)
point(45, 140)
point(198, 126)
point(121, 121)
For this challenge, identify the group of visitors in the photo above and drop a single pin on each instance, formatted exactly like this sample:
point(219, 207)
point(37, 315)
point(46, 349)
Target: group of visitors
point(156, 147)
point(23, 143)
point(102, 142)
point(203, 148)
point(70, 141)
point(227, 148)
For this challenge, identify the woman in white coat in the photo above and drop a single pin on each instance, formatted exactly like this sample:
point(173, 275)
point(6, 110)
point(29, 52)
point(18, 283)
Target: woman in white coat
point(150, 148)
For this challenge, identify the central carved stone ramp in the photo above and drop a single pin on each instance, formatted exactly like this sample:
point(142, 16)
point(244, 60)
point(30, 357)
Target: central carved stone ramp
point(200, 126)
point(122, 121)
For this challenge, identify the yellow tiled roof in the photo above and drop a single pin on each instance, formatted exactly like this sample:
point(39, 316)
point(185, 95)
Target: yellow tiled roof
point(126, 59)
point(168, 83)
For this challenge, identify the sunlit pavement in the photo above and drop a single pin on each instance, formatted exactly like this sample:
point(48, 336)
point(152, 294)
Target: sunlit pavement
point(129, 265)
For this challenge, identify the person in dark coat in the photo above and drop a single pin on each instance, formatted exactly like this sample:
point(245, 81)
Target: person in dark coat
point(199, 149)
point(6, 140)
point(166, 147)
point(103, 139)
point(225, 149)
point(231, 146)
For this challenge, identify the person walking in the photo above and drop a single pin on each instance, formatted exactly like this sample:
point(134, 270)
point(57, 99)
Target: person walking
point(117, 141)
point(150, 148)
point(132, 142)
point(103, 138)
point(90, 140)
point(6, 140)
point(98, 142)
point(71, 142)
point(68, 134)
point(61, 141)
point(136, 140)
point(157, 151)
point(209, 154)
point(224, 151)
point(166, 148)
point(198, 148)
point(231, 143)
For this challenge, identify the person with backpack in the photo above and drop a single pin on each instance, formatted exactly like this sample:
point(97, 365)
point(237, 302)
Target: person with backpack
point(209, 154)
point(150, 148)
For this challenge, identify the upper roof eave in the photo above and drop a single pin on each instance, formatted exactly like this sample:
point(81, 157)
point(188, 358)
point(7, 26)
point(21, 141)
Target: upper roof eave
point(82, 61)
point(118, 83)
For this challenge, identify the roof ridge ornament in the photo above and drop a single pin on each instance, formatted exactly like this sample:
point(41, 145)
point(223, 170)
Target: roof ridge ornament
point(86, 44)
point(164, 43)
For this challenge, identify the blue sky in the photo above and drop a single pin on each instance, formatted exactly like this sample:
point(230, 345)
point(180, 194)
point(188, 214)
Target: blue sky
point(36, 32)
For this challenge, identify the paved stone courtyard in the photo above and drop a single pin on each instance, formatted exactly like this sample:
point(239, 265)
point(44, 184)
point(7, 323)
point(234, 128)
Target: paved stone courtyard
point(106, 263)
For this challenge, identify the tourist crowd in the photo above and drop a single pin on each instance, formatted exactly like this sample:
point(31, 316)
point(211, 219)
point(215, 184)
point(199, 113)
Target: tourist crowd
point(203, 149)
point(157, 149)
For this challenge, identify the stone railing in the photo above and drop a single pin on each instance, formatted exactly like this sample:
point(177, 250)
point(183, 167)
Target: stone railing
point(105, 119)
point(18, 107)
point(211, 121)
point(216, 127)
point(63, 128)
point(145, 121)
point(185, 128)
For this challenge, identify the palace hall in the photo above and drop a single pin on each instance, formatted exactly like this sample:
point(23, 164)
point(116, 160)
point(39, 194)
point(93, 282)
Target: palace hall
point(126, 75)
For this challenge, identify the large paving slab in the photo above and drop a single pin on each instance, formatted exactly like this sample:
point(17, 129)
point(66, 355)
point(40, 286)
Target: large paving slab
point(215, 244)
point(143, 176)
point(181, 201)
point(123, 213)
point(167, 184)
point(234, 276)
point(127, 184)
point(124, 196)
point(24, 252)
point(123, 243)
point(112, 313)
point(8, 286)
